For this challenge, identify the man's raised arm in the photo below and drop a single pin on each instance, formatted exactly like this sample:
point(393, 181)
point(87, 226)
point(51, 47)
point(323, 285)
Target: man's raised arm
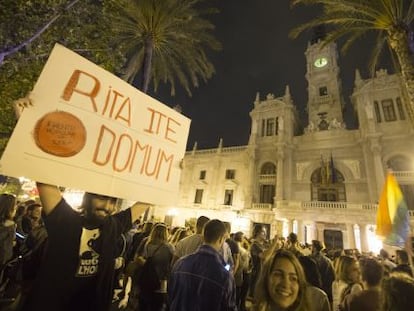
point(138, 209)
point(49, 195)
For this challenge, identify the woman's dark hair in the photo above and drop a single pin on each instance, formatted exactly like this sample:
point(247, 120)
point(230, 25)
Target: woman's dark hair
point(262, 295)
point(181, 234)
point(342, 266)
point(312, 273)
point(7, 204)
point(158, 235)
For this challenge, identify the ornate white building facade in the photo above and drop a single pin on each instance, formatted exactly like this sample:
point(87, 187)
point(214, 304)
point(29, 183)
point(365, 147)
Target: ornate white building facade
point(322, 182)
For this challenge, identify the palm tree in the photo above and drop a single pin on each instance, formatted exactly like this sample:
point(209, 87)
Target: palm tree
point(164, 40)
point(390, 19)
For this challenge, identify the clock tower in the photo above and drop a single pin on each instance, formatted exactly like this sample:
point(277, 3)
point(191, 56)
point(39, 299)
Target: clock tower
point(325, 102)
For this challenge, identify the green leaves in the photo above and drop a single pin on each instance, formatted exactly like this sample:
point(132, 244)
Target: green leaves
point(78, 25)
point(180, 37)
point(111, 33)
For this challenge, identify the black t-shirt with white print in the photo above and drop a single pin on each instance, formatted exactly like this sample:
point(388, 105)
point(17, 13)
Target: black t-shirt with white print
point(67, 278)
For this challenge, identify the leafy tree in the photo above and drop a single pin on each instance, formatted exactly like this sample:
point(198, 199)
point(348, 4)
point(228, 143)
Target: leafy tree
point(78, 25)
point(10, 50)
point(164, 40)
point(389, 19)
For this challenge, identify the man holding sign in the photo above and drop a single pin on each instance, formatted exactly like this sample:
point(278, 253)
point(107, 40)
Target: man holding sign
point(88, 129)
point(78, 270)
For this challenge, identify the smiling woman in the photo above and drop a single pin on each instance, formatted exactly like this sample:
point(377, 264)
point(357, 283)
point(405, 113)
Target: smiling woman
point(282, 284)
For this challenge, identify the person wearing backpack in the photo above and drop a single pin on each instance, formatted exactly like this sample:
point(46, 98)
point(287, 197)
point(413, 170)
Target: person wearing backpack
point(152, 279)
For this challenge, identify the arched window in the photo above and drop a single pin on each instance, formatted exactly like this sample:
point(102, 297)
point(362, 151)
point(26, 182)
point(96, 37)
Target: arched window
point(400, 163)
point(327, 187)
point(268, 169)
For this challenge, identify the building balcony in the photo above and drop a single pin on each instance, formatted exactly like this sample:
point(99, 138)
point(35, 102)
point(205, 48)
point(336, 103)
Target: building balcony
point(213, 206)
point(319, 205)
point(262, 206)
point(404, 177)
point(300, 207)
point(338, 205)
point(267, 179)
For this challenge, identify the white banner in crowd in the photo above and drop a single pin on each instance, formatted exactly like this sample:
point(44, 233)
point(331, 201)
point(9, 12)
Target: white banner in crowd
point(90, 130)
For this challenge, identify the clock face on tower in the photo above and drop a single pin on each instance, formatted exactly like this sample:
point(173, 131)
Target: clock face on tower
point(320, 62)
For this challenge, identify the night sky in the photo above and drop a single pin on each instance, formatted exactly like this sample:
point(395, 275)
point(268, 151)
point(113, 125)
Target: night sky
point(257, 56)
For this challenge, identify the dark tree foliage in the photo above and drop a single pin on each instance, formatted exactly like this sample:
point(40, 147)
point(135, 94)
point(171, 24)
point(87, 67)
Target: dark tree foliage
point(35, 27)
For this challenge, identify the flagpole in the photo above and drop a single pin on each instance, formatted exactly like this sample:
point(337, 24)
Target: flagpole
point(323, 171)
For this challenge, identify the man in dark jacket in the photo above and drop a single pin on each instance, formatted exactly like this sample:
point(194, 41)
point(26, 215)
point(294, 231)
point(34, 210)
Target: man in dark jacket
point(200, 281)
point(325, 267)
point(403, 263)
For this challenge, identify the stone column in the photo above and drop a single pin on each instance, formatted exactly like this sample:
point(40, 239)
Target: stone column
point(287, 186)
point(350, 234)
point(250, 189)
point(364, 237)
point(301, 231)
point(216, 191)
point(279, 179)
point(378, 166)
point(320, 228)
point(313, 232)
point(253, 133)
point(289, 224)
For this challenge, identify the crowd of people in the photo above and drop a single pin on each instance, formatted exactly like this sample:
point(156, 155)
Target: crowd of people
point(104, 259)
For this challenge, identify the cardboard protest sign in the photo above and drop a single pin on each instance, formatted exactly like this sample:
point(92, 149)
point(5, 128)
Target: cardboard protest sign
point(89, 130)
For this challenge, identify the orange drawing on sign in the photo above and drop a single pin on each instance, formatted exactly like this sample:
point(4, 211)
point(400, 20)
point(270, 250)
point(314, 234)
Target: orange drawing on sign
point(60, 133)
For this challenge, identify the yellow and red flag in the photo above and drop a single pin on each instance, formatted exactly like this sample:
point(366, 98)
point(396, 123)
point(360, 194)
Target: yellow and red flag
point(392, 215)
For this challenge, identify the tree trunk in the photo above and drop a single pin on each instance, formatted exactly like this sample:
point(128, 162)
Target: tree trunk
point(398, 39)
point(146, 75)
